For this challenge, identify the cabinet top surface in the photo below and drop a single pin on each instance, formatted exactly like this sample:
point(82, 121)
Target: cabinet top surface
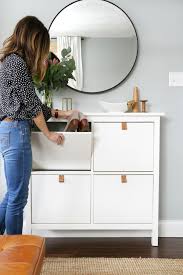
point(109, 114)
point(112, 114)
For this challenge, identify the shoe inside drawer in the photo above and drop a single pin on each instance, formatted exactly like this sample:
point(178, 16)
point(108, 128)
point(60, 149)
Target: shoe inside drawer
point(74, 154)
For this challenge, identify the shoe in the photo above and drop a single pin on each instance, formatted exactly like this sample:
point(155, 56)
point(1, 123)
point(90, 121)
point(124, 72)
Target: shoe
point(83, 125)
point(72, 126)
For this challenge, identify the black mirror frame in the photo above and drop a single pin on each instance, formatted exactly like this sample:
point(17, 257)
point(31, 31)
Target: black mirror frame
point(133, 67)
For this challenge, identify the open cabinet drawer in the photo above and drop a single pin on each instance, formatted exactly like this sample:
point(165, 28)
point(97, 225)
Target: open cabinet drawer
point(74, 154)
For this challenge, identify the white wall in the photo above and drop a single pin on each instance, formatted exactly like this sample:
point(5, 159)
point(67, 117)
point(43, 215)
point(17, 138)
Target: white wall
point(114, 58)
point(2, 179)
point(160, 28)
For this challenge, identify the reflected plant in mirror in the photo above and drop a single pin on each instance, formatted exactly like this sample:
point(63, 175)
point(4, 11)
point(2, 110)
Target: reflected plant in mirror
point(58, 73)
point(103, 41)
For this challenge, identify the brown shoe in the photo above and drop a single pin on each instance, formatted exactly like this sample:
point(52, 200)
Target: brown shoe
point(83, 125)
point(72, 126)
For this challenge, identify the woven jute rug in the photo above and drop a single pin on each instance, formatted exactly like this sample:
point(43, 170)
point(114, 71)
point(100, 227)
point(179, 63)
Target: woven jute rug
point(111, 266)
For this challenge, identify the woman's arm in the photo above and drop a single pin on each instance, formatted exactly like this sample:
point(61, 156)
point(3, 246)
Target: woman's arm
point(39, 120)
point(63, 114)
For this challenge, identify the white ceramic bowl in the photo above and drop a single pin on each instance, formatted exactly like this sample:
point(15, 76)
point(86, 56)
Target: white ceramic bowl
point(113, 107)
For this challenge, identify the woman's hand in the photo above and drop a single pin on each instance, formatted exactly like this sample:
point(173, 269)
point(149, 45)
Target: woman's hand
point(56, 138)
point(63, 114)
point(41, 124)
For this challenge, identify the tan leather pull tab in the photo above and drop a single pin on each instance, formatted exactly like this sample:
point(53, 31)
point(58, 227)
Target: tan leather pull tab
point(123, 179)
point(124, 126)
point(61, 178)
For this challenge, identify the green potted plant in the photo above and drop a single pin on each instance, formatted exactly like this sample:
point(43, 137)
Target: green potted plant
point(57, 75)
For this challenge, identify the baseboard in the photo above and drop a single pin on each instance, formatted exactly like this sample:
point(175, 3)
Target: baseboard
point(167, 228)
point(90, 233)
point(171, 228)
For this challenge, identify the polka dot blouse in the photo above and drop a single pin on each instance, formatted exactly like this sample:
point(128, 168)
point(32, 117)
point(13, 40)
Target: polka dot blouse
point(18, 99)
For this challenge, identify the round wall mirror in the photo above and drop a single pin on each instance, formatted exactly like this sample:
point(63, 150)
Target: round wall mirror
point(103, 43)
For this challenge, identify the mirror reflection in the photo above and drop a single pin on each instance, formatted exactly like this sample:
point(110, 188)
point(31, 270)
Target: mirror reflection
point(103, 42)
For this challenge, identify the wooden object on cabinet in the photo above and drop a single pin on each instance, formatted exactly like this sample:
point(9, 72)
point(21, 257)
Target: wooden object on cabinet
point(130, 104)
point(136, 100)
point(143, 102)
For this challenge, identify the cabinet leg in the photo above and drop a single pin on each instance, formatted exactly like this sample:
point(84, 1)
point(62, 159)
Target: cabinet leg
point(27, 230)
point(154, 240)
point(27, 216)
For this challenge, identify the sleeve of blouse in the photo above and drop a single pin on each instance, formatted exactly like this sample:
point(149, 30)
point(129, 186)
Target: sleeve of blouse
point(46, 111)
point(26, 91)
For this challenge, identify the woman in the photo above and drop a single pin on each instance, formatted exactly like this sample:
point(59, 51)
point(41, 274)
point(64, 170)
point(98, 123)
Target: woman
point(22, 56)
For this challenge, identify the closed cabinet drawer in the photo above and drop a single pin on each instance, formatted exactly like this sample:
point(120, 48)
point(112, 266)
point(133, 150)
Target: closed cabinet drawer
point(60, 199)
point(123, 147)
point(74, 154)
point(123, 202)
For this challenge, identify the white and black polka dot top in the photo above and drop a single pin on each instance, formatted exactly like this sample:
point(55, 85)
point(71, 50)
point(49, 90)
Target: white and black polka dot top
point(18, 98)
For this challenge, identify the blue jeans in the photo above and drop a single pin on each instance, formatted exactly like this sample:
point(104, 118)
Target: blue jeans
point(15, 147)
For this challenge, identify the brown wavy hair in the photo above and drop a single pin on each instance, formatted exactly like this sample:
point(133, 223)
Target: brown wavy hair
point(31, 41)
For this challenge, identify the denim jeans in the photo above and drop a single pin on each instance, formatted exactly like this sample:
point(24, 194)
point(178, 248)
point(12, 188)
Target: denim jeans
point(15, 147)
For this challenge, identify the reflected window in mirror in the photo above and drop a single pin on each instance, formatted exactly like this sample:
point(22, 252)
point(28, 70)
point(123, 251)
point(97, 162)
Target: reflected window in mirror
point(53, 45)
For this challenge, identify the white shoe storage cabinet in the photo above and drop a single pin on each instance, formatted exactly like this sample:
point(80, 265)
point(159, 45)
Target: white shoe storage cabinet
point(106, 179)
